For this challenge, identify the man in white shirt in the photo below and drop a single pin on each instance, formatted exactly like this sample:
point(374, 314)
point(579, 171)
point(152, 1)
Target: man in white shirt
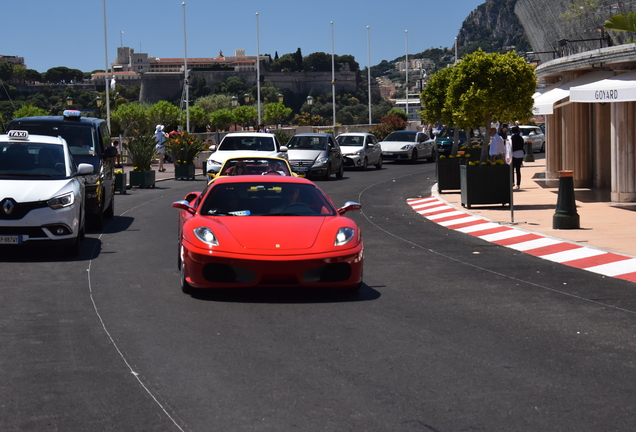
point(497, 145)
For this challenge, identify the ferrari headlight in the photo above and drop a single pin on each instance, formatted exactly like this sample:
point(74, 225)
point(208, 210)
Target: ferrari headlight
point(61, 201)
point(407, 147)
point(206, 235)
point(344, 236)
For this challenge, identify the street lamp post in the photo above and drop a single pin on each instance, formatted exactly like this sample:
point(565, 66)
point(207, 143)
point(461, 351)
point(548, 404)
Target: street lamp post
point(234, 105)
point(369, 67)
point(69, 101)
point(406, 84)
point(185, 66)
point(281, 98)
point(106, 83)
point(258, 72)
point(310, 102)
point(333, 79)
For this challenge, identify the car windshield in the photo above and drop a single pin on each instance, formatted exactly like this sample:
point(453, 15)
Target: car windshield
point(450, 133)
point(80, 139)
point(526, 131)
point(402, 136)
point(32, 160)
point(350, 140)
point(265, 199)
point(255, 166)
point(250, 143)
point(307, 143)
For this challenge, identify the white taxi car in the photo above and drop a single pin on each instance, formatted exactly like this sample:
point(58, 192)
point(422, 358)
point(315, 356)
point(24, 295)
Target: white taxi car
point(41, 192)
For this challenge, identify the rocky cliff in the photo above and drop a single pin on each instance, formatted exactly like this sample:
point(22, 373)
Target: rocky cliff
point(493, 27)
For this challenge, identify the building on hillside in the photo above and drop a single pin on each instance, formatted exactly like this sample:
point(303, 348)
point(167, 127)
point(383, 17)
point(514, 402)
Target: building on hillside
point(414, 106)
point(14, 60)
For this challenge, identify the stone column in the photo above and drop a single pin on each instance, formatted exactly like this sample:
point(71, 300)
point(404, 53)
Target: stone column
point(601, 145)
point(623, 153)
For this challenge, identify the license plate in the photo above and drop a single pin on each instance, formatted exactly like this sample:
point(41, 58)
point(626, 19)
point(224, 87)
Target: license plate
point(7, 239)
point(387, 154)
point(301, 168)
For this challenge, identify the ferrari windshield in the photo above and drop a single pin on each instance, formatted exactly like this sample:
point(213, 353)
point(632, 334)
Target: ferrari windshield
point(255, 166)
point(250, 143)
point(32, 160)
point(265, 199)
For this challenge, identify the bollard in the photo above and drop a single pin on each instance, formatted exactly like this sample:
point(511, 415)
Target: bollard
point(529, 156)
point(566, 216)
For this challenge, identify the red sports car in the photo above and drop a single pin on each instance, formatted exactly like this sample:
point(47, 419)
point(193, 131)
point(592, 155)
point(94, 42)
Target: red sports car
point(279, 231)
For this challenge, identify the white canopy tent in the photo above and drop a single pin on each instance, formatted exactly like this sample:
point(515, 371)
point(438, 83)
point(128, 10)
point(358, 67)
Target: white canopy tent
point(620, 88)
point(544, 103)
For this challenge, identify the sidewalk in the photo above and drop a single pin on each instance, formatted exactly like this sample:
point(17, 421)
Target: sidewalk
point(168, 174)
point(605, 225)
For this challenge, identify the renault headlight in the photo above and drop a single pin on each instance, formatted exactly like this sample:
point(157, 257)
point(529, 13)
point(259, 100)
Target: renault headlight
point(344, 236)
point(206, 235)
point(61, 201)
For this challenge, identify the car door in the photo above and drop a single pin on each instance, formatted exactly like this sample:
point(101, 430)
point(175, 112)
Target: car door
point(373, 150)
point(335, 155)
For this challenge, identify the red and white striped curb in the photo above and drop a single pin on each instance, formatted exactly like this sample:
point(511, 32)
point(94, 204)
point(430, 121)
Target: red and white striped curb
point(556, 250)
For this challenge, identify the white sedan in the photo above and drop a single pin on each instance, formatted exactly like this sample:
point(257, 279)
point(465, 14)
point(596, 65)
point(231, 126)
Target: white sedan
point(360, 150)
point(41, 192)
point(408, 146)
point(244, 144)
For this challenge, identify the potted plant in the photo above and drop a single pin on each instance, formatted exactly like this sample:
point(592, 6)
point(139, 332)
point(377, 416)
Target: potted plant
point(141, 150)
point(120, 181)
point(184, 148)
point(485, 183)
point(448, 173)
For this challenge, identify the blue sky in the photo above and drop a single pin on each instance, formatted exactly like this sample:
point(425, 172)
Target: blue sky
point(50, 33)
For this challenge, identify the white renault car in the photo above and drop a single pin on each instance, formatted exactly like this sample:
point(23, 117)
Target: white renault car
point(41, 192)
point(242, 144)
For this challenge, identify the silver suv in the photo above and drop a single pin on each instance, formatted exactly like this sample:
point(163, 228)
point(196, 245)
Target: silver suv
point(315, 154)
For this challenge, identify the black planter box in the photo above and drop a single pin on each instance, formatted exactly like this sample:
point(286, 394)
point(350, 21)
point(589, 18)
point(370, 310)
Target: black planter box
point(485, 184)
point(448, 174)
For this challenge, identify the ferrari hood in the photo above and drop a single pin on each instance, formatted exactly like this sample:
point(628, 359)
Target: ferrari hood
point(274, 233)
point(32, 190)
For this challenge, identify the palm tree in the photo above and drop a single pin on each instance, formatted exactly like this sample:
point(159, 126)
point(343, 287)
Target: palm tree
point(622, 22)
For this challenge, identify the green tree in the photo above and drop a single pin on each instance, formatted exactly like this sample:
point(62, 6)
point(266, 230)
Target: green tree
point(287, 63)
point(6, 71)
point(317, 62)
point(214, 102)
point(622, 22)
point(222, 119)
point(164, 113)
point(490, 87)
point(398, 112)
point(276, 113)
point(29, 111)
point(245, 115)
point(199, 119)
point(129, 117)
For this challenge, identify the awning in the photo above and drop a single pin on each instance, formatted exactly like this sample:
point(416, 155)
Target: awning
point(620, 88)
point(544, 103)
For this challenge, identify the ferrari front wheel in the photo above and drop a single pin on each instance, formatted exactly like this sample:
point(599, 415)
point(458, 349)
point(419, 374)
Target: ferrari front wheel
point(185, 286)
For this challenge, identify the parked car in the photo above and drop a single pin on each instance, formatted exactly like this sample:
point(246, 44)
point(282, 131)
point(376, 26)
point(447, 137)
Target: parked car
point(248, 231)
point(253, 144)
point(41, 192)
point(447, 136)
point(534, 135)
point(316, 155)
point(88, 140)
point(408, 146)
point(360, 150)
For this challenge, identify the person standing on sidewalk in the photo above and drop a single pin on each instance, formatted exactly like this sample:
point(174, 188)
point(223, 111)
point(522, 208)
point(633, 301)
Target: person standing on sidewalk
point(497, 145)
point(517, 154)
point(161, 137)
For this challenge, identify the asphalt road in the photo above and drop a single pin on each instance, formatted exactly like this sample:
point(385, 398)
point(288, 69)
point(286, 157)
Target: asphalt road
point(448, 333)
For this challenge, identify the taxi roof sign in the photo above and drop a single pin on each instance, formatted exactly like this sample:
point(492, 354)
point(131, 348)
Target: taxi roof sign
point(19, 134)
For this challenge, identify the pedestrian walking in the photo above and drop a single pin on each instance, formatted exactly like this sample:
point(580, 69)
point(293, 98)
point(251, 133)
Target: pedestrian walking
point(161, 137)
point(518, 153)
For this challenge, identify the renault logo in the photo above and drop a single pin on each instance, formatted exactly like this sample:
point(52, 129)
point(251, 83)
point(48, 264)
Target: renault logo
point(7, 206)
